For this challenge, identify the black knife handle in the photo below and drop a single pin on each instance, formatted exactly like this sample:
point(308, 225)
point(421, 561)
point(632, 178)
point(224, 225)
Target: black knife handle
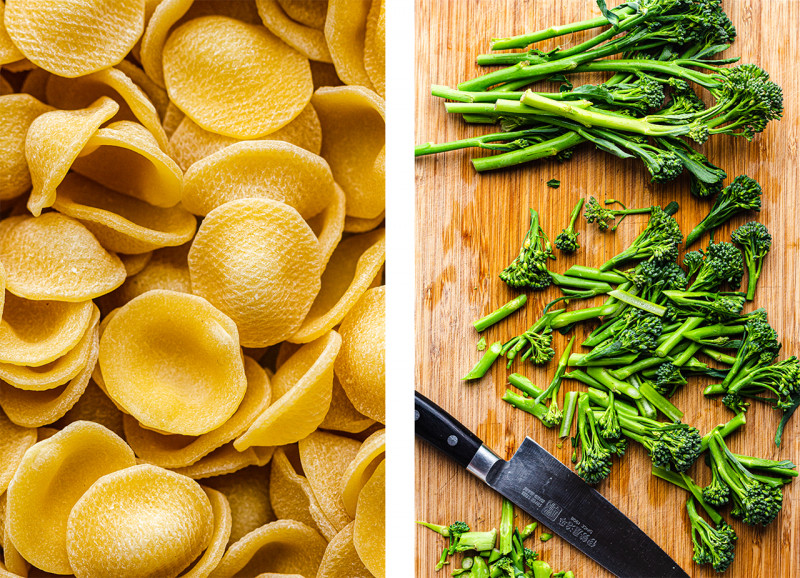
point(443, 431)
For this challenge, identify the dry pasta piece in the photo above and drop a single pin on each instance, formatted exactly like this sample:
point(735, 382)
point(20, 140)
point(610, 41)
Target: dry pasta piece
point(226, 460)
point(259, 262)
point(354, 144)
point(341, 558)
point(189, 390)
point(220, 72)
point(94, 405)
point(375, 47)
point(56, 257)
point(370, 454)
point(173, 116)
point(126, 158)
point(35, 84)
point(175, 451)
point(121, 223)
point(111, 82)
point(310, 42)
point(53, 475)
point(74, 38)
point(39, 408)
point(55, 373)
point(259, 169)
point(168, 269)
point(14, 442)
point(17, 112)
point(371, 514)
point(311, 13)
point(361, 364)
point(161, 521)
point(53, 142)
point(244, 10)
point(329, 224)
point(302, 389)
point(356, 225)
point(221, 510)
point(14, 562)
point(351, 269)
point(247, 492)
point(189, 142)
point(2, 288)
point(156, 94)
point(8, 51)
point(345, 31)
point(35, 333)
point(284, 547)
point(342, 416)
point(325, 457)
point(135, 264)
point(166, 14)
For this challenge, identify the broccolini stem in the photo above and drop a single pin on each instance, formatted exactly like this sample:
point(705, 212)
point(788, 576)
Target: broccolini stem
point(548, 148)
point(525, 40)
point(506, 527)
point(685, 482)
point(525, 404)
point(524, 384)
point(601, 398)
point(716, 330)
point(660, 402)
point(528, 530)
point(638, 302)
point(676, 336)
point(580, 375)
point(609, 329)
point(719, 356)
point(555, 385)
point(687, 354)
point(577, 360)
point(625, 372)
point(570, 317)
point(595, 274)
point(500, 313)
point(480, 569)
point(598, 287)
point(570, 402)
point(602, 375)
point(545, 536)
point(480, 369)
point(724, 430)
point(643, 405)
point(478, 141)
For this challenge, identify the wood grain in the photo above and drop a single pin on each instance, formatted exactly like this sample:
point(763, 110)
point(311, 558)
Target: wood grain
point(469, 227)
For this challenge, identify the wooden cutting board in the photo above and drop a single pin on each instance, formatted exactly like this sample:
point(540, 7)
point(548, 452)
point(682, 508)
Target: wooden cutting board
point(470, 226)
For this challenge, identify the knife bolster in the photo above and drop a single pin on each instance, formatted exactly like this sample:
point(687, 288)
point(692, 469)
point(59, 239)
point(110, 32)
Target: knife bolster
point(482, 462)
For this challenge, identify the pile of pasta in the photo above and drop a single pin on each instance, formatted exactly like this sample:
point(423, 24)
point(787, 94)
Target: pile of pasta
point(192, 300)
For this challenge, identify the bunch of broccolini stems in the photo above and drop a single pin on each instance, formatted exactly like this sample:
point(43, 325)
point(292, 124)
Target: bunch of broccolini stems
point(494, 554)
point(657, 50)
point(656, 321)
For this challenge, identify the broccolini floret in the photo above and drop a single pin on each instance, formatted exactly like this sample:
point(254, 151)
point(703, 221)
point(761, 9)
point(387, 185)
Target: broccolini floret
point(529, 268)
point(567, 240)
point(659, 241)
point(755, 241)
point(721, 263)
point(743, 194)
point(672, 446)
point(712, 545)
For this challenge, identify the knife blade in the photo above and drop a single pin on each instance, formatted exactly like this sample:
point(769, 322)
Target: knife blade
point(534, 480)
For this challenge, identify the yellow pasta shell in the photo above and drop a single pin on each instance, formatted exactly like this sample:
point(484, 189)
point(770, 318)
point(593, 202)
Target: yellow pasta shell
point(165, 15)
point(17, 112)
point(302, 388)
point(361, 364)
point(259, 262)
point(74, 38)
point(135, 264)
point(221, 71)
point(342, 416)
point(56, 257)
point(121, 223)
point(370, 454)
point(356, 225)
point(39, 408)
point(190, 142)
point(94, 405)
point(14, 442)
point(371, 514)
point(375, 47)
point(226, 460)
point(351, 269)
point(8, 52)
point(329, 224)
point(247, 492)
point(292, 498)
point(175, 451)
point(308, 12)
point(53, 142)
point(173, 116)
point(35, 84)
point(325, 457)
point(56, 372)
point(259, 169)
point(14, 562)
point(244, 10)
point(341, 558)
point(35, 333)
point(189, 390)
point(354, 144)
point(126, 158)
point(114, 83)
point(156, 94)
point(285, 547)
point(210, 559)
point(345, 31)
point(310, 42)
point(52, 477)
point(161, 521)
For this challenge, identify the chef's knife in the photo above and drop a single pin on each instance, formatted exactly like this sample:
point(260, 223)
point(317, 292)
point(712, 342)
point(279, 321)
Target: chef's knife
point(550, 492)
